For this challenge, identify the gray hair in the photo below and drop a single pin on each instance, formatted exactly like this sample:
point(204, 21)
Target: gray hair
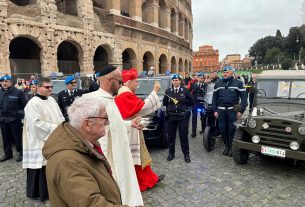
point(82, 108)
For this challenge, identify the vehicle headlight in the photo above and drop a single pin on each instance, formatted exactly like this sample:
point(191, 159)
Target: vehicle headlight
point(252, 123)
point(294, 145)
point(301, 130)
point(256, 139)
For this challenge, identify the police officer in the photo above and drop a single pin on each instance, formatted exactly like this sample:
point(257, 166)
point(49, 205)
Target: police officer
point(227, 93)
point(178, 101)
point(12, 103)
point(198, 91)
point(66, 97)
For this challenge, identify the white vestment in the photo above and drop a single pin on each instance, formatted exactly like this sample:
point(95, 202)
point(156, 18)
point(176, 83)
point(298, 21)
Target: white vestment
point(115, 146)
point(41, 118)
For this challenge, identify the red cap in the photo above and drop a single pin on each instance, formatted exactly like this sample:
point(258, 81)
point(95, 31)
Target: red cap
point(130, 74)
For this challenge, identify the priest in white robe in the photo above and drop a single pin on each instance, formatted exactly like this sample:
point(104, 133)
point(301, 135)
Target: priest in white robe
point(115, 143)
point(42, 116)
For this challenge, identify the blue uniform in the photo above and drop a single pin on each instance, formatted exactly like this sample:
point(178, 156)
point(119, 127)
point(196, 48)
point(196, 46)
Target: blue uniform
point(178, 116)
point(12, 103)
point(226, 95)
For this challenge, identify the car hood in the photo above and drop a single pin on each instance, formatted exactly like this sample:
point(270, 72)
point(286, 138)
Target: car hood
point(292, 110)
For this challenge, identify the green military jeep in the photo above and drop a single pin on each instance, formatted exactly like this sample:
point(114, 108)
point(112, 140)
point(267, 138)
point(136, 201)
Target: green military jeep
point(276, 126)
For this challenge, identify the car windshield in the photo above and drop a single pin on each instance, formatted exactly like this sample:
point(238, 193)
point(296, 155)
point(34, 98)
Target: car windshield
point(281, 89)
point(146, 85)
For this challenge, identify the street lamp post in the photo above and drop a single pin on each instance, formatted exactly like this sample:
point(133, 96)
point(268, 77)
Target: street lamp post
point(300, 51)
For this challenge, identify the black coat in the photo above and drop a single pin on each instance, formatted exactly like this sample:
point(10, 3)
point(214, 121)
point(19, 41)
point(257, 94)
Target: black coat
point(65, 100)
point(12, 103)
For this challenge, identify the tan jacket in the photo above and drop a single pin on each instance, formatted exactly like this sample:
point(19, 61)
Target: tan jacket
point(77, 175)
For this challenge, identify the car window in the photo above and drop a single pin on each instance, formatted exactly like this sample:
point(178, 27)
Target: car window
point(298, 89)
point(146, 85)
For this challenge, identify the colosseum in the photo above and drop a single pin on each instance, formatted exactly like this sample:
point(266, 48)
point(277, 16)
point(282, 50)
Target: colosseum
point(70, 36)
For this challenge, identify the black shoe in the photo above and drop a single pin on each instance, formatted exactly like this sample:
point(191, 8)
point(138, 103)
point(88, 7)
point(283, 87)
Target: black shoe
point(19, 159)
point(170, 157)
point(201, 132)
point(187, 158)
point(230, 152)
point(226, 151)
point(193, 135)
point(5, 157)
point(160, 178)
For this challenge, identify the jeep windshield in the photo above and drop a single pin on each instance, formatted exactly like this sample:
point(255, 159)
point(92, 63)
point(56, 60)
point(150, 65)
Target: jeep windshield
point(146, 85)
point(281, 89)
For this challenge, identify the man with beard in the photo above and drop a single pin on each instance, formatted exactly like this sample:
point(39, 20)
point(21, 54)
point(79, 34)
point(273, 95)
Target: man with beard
point(115, 144)
point(227, 93)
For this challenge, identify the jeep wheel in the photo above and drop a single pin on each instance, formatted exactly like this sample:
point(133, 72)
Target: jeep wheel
point(209, 139)
point(240, 156)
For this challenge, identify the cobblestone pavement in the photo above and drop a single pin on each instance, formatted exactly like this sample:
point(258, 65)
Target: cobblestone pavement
point(211, 179)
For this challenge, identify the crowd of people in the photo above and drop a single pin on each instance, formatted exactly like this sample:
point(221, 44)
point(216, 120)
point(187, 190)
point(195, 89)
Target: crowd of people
point(88, 149)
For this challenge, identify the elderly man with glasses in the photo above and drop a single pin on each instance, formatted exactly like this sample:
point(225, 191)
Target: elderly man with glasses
point(66, 97)
point(78, 173)
point(42, 116)
point(115, 143)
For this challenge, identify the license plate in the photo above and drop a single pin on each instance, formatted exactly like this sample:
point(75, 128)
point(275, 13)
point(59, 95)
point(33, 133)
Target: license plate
point(273, 151)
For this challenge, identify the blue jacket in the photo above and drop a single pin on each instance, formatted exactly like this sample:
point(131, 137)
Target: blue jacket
point(227, 93)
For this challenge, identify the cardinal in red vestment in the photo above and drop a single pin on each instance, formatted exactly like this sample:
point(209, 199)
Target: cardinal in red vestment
point(131, 106)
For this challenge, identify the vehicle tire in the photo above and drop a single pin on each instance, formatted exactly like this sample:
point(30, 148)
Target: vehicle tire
point(209, 139)
point(240, 156)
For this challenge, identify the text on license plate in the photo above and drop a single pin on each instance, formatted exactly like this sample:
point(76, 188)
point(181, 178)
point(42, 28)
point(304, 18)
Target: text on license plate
point(273, 151)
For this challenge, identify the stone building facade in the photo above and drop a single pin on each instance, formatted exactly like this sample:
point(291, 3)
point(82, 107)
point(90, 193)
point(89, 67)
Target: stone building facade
point(206, 59)
point(69, 36)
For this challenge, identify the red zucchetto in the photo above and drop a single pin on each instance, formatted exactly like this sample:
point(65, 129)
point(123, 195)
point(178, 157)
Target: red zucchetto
point(130, 74)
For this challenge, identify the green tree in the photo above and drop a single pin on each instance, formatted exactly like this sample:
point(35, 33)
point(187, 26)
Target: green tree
point(287, 63)
point(278, 34)
point(273, 55)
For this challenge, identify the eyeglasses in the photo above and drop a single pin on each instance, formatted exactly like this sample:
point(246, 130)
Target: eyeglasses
point(106, 119)
point(47, 87)
point(119, 81)
point(73, 82)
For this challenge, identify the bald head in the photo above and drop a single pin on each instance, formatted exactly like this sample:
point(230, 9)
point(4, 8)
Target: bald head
point(111, 82)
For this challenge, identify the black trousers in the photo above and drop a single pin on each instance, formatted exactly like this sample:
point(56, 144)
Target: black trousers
point(194, 118)
point(36, 184)
point(226, 119)
point(251, 100)
point(12, 132)
point(182, 125)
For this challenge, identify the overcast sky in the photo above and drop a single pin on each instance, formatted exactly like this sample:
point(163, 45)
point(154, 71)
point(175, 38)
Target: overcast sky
point(232, 26)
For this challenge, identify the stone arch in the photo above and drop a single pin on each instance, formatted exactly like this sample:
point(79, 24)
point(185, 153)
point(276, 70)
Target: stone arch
point(25, 61)
point(129, 59)
point(148, 61)
point(181, 23)
point(173, 65)
point(23, 2)
point(99, 4)
point(180, 65)
point(162, 64)
point(102, 56)
point(185, 66)
point(173, 21)
point(145, 11)
point(69, 57)
point(125, 8)
point(67, 7)
point(186, 29)
point(162, 14)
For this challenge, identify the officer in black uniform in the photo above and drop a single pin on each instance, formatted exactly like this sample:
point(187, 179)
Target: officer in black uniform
point(66, 97)
point(178, 101)
point(227, 93)
point(198, 91)
point(12, 103)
